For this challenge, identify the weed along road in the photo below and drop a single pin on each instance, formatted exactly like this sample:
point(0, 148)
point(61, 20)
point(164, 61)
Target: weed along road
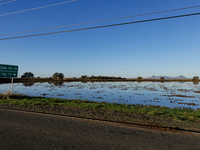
point(27, 130)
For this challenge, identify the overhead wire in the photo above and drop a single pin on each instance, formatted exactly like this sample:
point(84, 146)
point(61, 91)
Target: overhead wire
point(36, 8)
point(7, 2)
point(96, 27)
point(102, 20)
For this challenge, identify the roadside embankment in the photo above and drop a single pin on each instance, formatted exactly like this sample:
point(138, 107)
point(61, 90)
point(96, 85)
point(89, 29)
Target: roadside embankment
point(141, 115)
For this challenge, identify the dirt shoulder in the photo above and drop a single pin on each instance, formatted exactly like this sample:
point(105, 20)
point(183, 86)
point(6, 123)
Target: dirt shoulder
point(100, 114)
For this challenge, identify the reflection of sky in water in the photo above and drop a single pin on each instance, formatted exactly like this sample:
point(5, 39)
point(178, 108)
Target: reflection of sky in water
point(146, 93)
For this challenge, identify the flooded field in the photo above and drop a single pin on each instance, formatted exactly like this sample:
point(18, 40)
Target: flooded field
point(168, 94)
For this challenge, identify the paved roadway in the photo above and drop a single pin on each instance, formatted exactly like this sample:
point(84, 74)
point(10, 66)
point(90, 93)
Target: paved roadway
point(29, 131)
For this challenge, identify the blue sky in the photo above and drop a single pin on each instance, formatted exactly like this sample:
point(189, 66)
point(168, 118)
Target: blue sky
point(165, 47)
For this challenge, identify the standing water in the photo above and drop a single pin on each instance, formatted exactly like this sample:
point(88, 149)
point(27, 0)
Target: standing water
point(168, 94)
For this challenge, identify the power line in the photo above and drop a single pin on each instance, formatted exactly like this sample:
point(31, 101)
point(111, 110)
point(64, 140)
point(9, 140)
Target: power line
point(37, 8)
point(101, 20)
point(7, 2)
point(96, 27)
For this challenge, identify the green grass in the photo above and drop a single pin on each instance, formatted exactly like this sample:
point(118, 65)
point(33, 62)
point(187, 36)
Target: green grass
point(175, 114)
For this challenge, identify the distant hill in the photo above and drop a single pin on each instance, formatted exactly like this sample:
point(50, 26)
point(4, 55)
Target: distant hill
point(166, 77)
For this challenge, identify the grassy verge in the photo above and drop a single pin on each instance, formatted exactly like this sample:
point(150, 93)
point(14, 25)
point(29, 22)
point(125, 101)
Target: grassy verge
point(175, 114)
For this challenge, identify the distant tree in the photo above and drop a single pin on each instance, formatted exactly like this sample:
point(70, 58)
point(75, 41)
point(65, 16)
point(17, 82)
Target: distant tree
point(58, 75)
point(103, 77)
point(162, 78)
point(195, 78)
point(83, 77)
point(139, 78)
point(50, 78)
point(92, 77)
point(27, 75)
point(55, 75)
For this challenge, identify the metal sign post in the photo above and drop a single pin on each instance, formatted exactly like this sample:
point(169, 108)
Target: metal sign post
point(8, 71)
point(11, 86)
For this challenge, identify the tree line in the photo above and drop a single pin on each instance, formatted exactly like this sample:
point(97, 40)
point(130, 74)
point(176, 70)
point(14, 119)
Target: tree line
point(54, 76)
point(60, 76)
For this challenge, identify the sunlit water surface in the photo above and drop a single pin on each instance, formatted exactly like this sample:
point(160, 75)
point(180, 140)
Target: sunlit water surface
point(168, 94)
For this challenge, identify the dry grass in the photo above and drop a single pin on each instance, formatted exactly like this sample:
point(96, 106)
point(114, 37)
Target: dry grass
point(6, 95)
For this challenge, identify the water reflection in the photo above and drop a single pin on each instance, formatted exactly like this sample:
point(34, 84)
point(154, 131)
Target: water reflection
point(195, 82)
point(84, 81)
point(56, 83)
point(168, 94)
point(28, 83)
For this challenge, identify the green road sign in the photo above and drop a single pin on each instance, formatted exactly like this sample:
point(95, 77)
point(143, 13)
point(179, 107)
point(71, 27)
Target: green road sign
point(8, 71)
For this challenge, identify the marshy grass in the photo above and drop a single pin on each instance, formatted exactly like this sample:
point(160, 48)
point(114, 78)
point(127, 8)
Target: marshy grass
point(172, 113)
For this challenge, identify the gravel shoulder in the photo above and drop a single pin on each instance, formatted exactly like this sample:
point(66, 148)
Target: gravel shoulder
point(105, 115)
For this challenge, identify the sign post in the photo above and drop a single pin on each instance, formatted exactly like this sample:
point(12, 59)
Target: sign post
point(8, 71)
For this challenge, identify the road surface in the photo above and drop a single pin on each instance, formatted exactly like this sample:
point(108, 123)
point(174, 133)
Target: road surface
point(33, 131)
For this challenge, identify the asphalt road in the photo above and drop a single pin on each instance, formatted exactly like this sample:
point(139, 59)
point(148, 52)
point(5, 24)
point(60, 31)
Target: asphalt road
point(28, 131)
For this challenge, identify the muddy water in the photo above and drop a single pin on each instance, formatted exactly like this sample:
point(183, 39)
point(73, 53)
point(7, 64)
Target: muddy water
point(168, 94)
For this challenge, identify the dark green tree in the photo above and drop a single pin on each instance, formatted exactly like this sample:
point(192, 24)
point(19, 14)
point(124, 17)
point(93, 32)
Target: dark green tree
point(27, 75)
point(92, 77)
point(195, 78)
point(83, 77)
point(162, 78)
point(58, 75)
point(55, 75)
point(139, 78)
